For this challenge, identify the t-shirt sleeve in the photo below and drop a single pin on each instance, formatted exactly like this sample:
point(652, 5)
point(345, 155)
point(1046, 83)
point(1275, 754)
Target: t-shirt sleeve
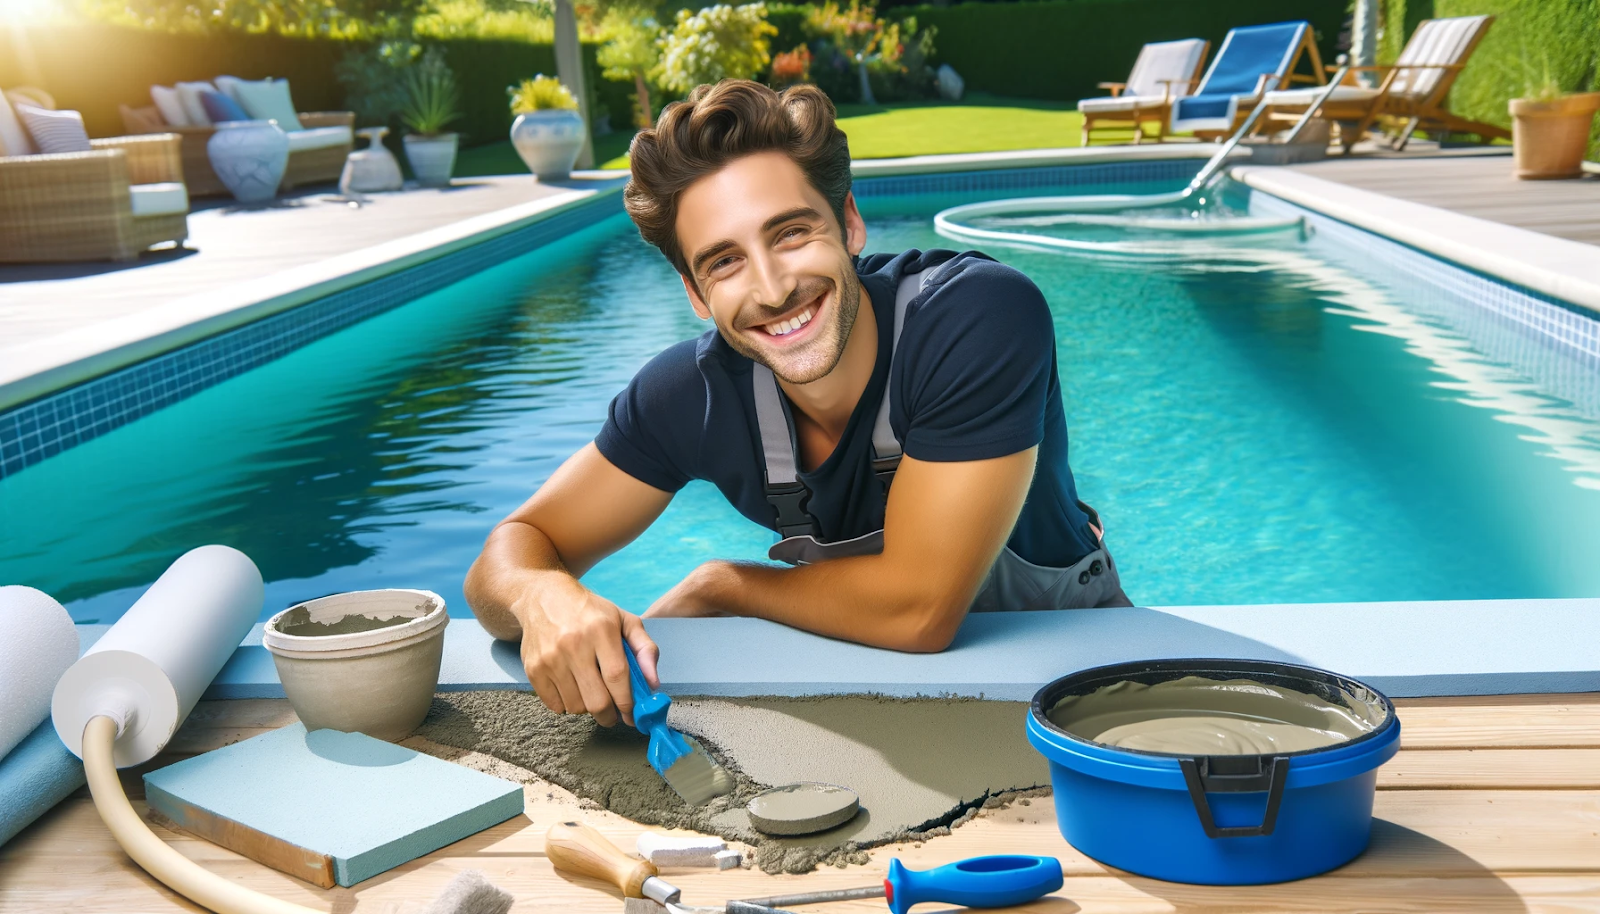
point(979, 358)
point(652, 429)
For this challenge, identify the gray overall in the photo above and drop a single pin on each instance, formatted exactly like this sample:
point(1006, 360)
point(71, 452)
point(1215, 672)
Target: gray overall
point(1014, 583)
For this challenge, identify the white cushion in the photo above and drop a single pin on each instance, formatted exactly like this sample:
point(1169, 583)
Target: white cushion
point(189, 97)
point(268, 100)
point(55, 131)
point(13, 139)
point(163, 199)
point(229, 86)
point(1436, 41)
point(1303, 97)
point(1164, 63)
point(320, 138)
point(170, 106)
point(1124, 104)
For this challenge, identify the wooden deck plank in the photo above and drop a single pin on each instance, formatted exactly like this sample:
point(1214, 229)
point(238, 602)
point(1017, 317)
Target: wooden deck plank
point(1460, 849)
point(1480, 186)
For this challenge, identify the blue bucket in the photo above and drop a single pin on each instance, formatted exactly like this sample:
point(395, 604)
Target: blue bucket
point(1216, 820)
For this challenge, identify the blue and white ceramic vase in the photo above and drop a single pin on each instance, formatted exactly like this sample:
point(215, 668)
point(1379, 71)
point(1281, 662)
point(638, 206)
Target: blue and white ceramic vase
point(548, 141)
point(249, 157)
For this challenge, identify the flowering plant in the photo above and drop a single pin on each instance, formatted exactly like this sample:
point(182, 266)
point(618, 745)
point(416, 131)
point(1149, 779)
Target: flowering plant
point(715, 43)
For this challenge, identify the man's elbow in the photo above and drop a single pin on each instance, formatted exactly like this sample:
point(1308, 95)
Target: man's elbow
point(934, 627)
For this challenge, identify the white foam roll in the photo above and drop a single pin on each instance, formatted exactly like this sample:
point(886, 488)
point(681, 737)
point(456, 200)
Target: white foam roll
point(151, 667)
point(37, 644)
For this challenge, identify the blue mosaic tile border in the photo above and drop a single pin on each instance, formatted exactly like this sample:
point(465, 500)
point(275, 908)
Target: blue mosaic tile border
point(41, 428)
point(1554, 342)
point(1018, 179)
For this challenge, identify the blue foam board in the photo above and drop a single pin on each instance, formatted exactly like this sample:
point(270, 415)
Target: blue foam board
point(366, 804)
point(1411, 649)
point(35, 775)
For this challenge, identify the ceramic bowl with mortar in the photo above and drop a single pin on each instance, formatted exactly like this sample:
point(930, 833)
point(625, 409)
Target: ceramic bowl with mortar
point(362, 662)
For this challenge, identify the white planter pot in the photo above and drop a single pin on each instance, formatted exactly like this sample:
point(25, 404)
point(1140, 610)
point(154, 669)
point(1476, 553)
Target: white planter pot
point(249, 157)
point(362, 662)
point(548, 141)
point(432, 158)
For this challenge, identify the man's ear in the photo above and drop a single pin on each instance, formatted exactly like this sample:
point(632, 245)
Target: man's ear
point(695, 301)
point(855, 228)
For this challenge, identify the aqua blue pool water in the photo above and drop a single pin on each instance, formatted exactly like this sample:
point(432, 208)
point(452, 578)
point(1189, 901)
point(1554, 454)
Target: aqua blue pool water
point(1276, 428)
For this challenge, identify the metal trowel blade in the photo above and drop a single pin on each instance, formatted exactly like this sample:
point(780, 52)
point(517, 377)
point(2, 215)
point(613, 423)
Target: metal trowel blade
point(697, 778)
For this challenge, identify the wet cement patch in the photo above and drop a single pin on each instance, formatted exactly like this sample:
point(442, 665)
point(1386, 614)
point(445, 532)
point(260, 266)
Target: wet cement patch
point(298, 622)
point(919, 765)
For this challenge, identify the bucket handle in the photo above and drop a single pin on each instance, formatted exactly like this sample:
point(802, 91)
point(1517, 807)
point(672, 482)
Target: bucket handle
point(1235, 774)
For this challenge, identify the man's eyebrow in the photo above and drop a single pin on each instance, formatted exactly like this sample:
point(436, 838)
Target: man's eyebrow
point(709, 252)
point(799, 212)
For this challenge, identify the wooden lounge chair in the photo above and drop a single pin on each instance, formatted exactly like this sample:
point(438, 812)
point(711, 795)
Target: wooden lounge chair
point(1412, 92)
point(1252, 60)
point(318, 165)
point(1164, 71)
point(111, 203)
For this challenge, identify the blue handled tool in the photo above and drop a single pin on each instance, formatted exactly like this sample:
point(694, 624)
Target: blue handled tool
point(981, 882)
point(680, 760)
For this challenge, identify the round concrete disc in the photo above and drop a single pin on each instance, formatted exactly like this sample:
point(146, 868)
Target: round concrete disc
point(801, 809)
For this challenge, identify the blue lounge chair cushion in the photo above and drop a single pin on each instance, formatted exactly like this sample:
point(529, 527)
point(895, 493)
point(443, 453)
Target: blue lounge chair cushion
point(221, 109)
point(1246, 54)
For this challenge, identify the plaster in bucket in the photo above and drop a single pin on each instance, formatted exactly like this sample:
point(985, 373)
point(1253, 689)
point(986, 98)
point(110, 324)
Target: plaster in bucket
point(364, 662)
point(1193, 715)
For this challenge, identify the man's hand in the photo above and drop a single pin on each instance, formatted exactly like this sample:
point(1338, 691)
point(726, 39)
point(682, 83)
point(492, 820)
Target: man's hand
point(690, 597)
point(524, 587)
point(572, 652)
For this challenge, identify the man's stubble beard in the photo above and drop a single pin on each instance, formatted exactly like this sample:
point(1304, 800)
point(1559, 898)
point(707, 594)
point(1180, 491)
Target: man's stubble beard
point(822, 354)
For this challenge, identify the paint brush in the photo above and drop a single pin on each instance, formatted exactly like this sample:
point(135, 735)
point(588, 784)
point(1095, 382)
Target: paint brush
point(680, 760)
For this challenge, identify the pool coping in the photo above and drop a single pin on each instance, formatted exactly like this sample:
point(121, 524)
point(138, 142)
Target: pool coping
point(1559, 268)
point(1405, 649)
point(70, 358)
point(1035, 158)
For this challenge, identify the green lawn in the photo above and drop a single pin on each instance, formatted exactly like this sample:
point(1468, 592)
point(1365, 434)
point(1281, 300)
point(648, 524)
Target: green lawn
point(978, 123)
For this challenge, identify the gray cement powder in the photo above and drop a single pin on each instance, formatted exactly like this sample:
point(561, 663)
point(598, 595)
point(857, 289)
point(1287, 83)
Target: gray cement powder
point(919, 765)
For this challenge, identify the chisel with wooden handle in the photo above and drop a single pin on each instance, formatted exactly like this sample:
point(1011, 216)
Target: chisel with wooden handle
point(578, 849)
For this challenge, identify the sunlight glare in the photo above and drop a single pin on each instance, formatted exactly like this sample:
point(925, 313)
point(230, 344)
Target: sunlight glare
point(25, 12)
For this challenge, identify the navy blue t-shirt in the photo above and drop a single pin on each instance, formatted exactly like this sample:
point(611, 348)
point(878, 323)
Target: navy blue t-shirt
point(974, 378)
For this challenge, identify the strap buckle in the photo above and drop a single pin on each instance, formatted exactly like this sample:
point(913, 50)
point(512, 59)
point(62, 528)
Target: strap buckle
point(790, 503)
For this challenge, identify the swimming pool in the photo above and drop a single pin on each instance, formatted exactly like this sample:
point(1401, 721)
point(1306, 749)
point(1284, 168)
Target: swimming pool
point(1277, 423)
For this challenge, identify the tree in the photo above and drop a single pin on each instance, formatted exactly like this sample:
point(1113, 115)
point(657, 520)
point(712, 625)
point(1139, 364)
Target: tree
point(631, 52)
point(718, 42)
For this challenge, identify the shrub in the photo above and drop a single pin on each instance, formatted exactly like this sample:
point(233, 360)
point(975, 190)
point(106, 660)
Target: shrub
point(791, 67)
point(373, 80)
point(432, 99)
point(629, 54)
point(443, 19)
point(718, 42)
point(541, 93)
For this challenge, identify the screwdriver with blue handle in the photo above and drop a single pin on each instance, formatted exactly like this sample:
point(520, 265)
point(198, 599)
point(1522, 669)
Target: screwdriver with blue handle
point(999, 881)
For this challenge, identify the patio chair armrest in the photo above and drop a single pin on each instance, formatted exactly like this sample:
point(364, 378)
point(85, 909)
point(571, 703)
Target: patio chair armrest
point(1116, 88)
point(314, 119)
point(153, 158)
point(32, 187)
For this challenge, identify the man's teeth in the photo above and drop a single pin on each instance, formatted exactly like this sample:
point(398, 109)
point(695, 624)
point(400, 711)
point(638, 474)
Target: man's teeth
point(784, 328)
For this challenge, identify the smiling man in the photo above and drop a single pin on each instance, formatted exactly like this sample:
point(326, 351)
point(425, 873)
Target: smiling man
point(896, 420)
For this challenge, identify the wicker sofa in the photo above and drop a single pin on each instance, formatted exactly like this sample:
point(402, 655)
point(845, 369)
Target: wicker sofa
point(319, 165)
point(107, 204)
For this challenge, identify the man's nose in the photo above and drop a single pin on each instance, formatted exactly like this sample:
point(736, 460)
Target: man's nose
point(771, 282)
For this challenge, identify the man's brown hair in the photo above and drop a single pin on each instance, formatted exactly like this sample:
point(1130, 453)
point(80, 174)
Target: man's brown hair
point(719, 123)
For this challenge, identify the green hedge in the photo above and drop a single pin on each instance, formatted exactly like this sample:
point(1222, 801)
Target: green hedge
point(1525, 34)
point(93, 69)
point(1059, 49)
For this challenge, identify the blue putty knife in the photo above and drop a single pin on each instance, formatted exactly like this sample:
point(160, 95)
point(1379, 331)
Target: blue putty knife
point(999, 881)
point(680, 760)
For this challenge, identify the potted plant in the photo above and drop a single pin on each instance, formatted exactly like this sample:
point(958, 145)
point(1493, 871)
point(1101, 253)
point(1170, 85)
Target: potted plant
point(548, 131)
point(432, 103)
point(1550, 129)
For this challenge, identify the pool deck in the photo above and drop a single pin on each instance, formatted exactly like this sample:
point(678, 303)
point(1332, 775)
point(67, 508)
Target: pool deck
point(1491, 806)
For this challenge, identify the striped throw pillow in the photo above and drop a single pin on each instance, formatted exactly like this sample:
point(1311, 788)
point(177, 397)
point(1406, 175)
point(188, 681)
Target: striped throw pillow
point(55, 131)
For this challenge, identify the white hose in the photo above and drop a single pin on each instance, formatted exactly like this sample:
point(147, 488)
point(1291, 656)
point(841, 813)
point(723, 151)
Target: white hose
point(176, 871)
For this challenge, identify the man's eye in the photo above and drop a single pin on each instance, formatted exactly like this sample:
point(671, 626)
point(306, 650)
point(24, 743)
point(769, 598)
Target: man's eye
point(720, 262)
point(794, 232)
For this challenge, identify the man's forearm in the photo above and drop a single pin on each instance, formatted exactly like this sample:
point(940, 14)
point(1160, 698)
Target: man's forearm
point(518, 559)
point(861, 599)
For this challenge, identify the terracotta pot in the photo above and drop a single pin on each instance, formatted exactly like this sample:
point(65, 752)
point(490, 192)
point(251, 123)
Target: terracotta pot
point(1549, 138)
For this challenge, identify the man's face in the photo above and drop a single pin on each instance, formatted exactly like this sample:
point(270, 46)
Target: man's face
point(771, 265)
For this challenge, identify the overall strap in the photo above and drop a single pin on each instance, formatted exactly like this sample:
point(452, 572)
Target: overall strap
point(785, 492)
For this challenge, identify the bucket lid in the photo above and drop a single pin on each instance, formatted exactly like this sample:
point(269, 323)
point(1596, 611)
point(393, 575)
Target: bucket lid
point(424, 610)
